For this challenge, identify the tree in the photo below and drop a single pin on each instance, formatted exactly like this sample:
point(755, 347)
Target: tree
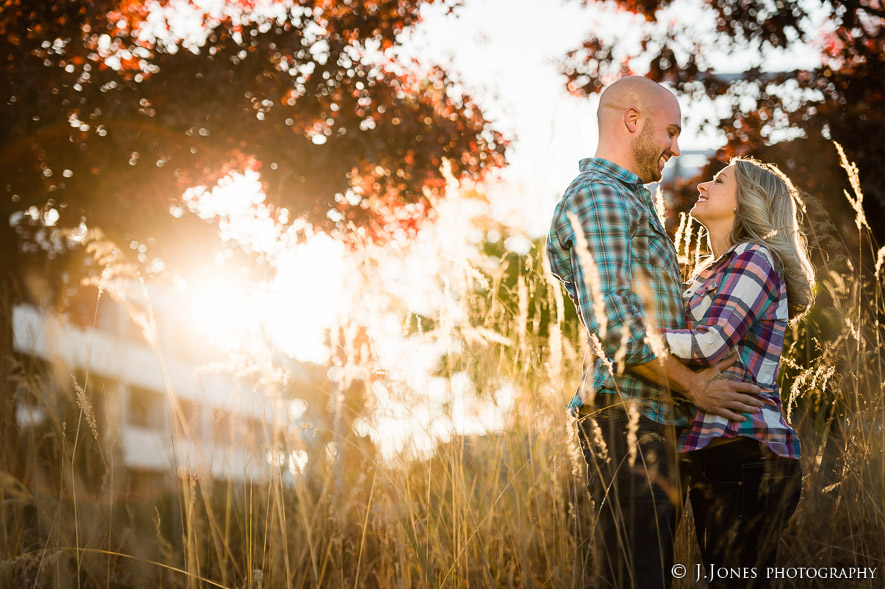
point(103, 125)
point(842, 99)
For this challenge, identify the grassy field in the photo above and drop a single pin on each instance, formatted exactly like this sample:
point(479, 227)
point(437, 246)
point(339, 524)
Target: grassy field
point(508, 508)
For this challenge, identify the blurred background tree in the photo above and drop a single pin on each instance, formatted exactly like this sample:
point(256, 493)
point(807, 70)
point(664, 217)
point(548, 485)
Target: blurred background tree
point(789, 117)
point(109, 112)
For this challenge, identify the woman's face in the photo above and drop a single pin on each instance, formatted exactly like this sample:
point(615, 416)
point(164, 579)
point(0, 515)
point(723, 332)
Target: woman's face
point(717, 200)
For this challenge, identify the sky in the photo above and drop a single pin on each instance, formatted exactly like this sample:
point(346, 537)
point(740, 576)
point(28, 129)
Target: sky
point(504, 51)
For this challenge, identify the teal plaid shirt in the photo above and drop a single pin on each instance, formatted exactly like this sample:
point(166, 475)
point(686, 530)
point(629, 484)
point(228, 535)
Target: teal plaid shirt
point(636, 263)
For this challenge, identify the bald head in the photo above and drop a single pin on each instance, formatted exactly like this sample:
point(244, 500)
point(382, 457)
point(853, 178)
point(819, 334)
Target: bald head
point(633, 91)
point(639, 123)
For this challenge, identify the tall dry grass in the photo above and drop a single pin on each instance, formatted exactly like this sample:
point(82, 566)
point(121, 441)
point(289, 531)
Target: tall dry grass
point(503, 509)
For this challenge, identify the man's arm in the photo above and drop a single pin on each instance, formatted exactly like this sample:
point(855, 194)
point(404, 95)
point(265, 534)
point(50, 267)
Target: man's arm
point(705, 389)
point(594, 231)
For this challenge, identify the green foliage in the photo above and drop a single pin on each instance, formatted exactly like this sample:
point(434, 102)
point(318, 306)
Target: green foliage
point(516, 316)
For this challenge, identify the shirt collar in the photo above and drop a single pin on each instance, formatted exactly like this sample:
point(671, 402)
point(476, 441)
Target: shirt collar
point(610, 169)
point(716, 264)
point(726, 254)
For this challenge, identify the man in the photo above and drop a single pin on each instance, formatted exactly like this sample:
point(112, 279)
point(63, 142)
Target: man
point(618, 265)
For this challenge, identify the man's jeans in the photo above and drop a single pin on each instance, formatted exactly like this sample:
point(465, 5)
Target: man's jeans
point(636, 505)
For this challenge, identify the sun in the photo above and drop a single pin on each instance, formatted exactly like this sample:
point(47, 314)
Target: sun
point(312, 285)
point(221, 308)
point(309, 294)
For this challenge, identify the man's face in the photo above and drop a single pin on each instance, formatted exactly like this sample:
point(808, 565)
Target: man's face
point(658, 141)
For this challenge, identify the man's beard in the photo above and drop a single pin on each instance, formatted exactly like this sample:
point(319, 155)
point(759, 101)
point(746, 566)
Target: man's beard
point(646, 156)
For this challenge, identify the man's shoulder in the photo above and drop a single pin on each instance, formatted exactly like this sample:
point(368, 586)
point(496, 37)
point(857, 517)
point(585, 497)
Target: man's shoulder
point(597, 180)
point(590, 188)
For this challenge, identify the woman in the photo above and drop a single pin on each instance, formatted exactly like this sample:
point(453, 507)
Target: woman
point(744, 477)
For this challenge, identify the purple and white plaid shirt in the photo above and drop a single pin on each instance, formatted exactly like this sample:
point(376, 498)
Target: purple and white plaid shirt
point(738, 302)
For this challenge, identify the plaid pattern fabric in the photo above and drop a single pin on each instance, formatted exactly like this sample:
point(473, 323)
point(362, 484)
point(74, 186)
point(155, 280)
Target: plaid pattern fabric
point(639, 284)
point(738, 302)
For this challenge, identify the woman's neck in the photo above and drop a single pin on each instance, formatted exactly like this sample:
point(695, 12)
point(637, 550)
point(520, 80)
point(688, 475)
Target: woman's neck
point(720, 241)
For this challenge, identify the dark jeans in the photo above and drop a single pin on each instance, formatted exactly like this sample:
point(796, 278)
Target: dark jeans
point(742, 496)
point(637, 506)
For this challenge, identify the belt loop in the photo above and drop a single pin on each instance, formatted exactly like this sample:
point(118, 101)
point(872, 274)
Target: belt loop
point(767, 453)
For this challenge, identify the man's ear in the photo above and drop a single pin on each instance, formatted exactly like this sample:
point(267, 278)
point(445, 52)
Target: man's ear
point(632, 116)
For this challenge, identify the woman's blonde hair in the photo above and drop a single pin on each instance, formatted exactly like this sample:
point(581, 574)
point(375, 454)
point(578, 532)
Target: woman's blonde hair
point(768, 213)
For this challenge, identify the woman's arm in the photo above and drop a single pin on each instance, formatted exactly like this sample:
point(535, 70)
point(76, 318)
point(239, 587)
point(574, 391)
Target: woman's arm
point(748, 286)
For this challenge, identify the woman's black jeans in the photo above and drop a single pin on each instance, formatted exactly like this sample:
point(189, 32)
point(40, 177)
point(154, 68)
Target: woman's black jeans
point(742, 495)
